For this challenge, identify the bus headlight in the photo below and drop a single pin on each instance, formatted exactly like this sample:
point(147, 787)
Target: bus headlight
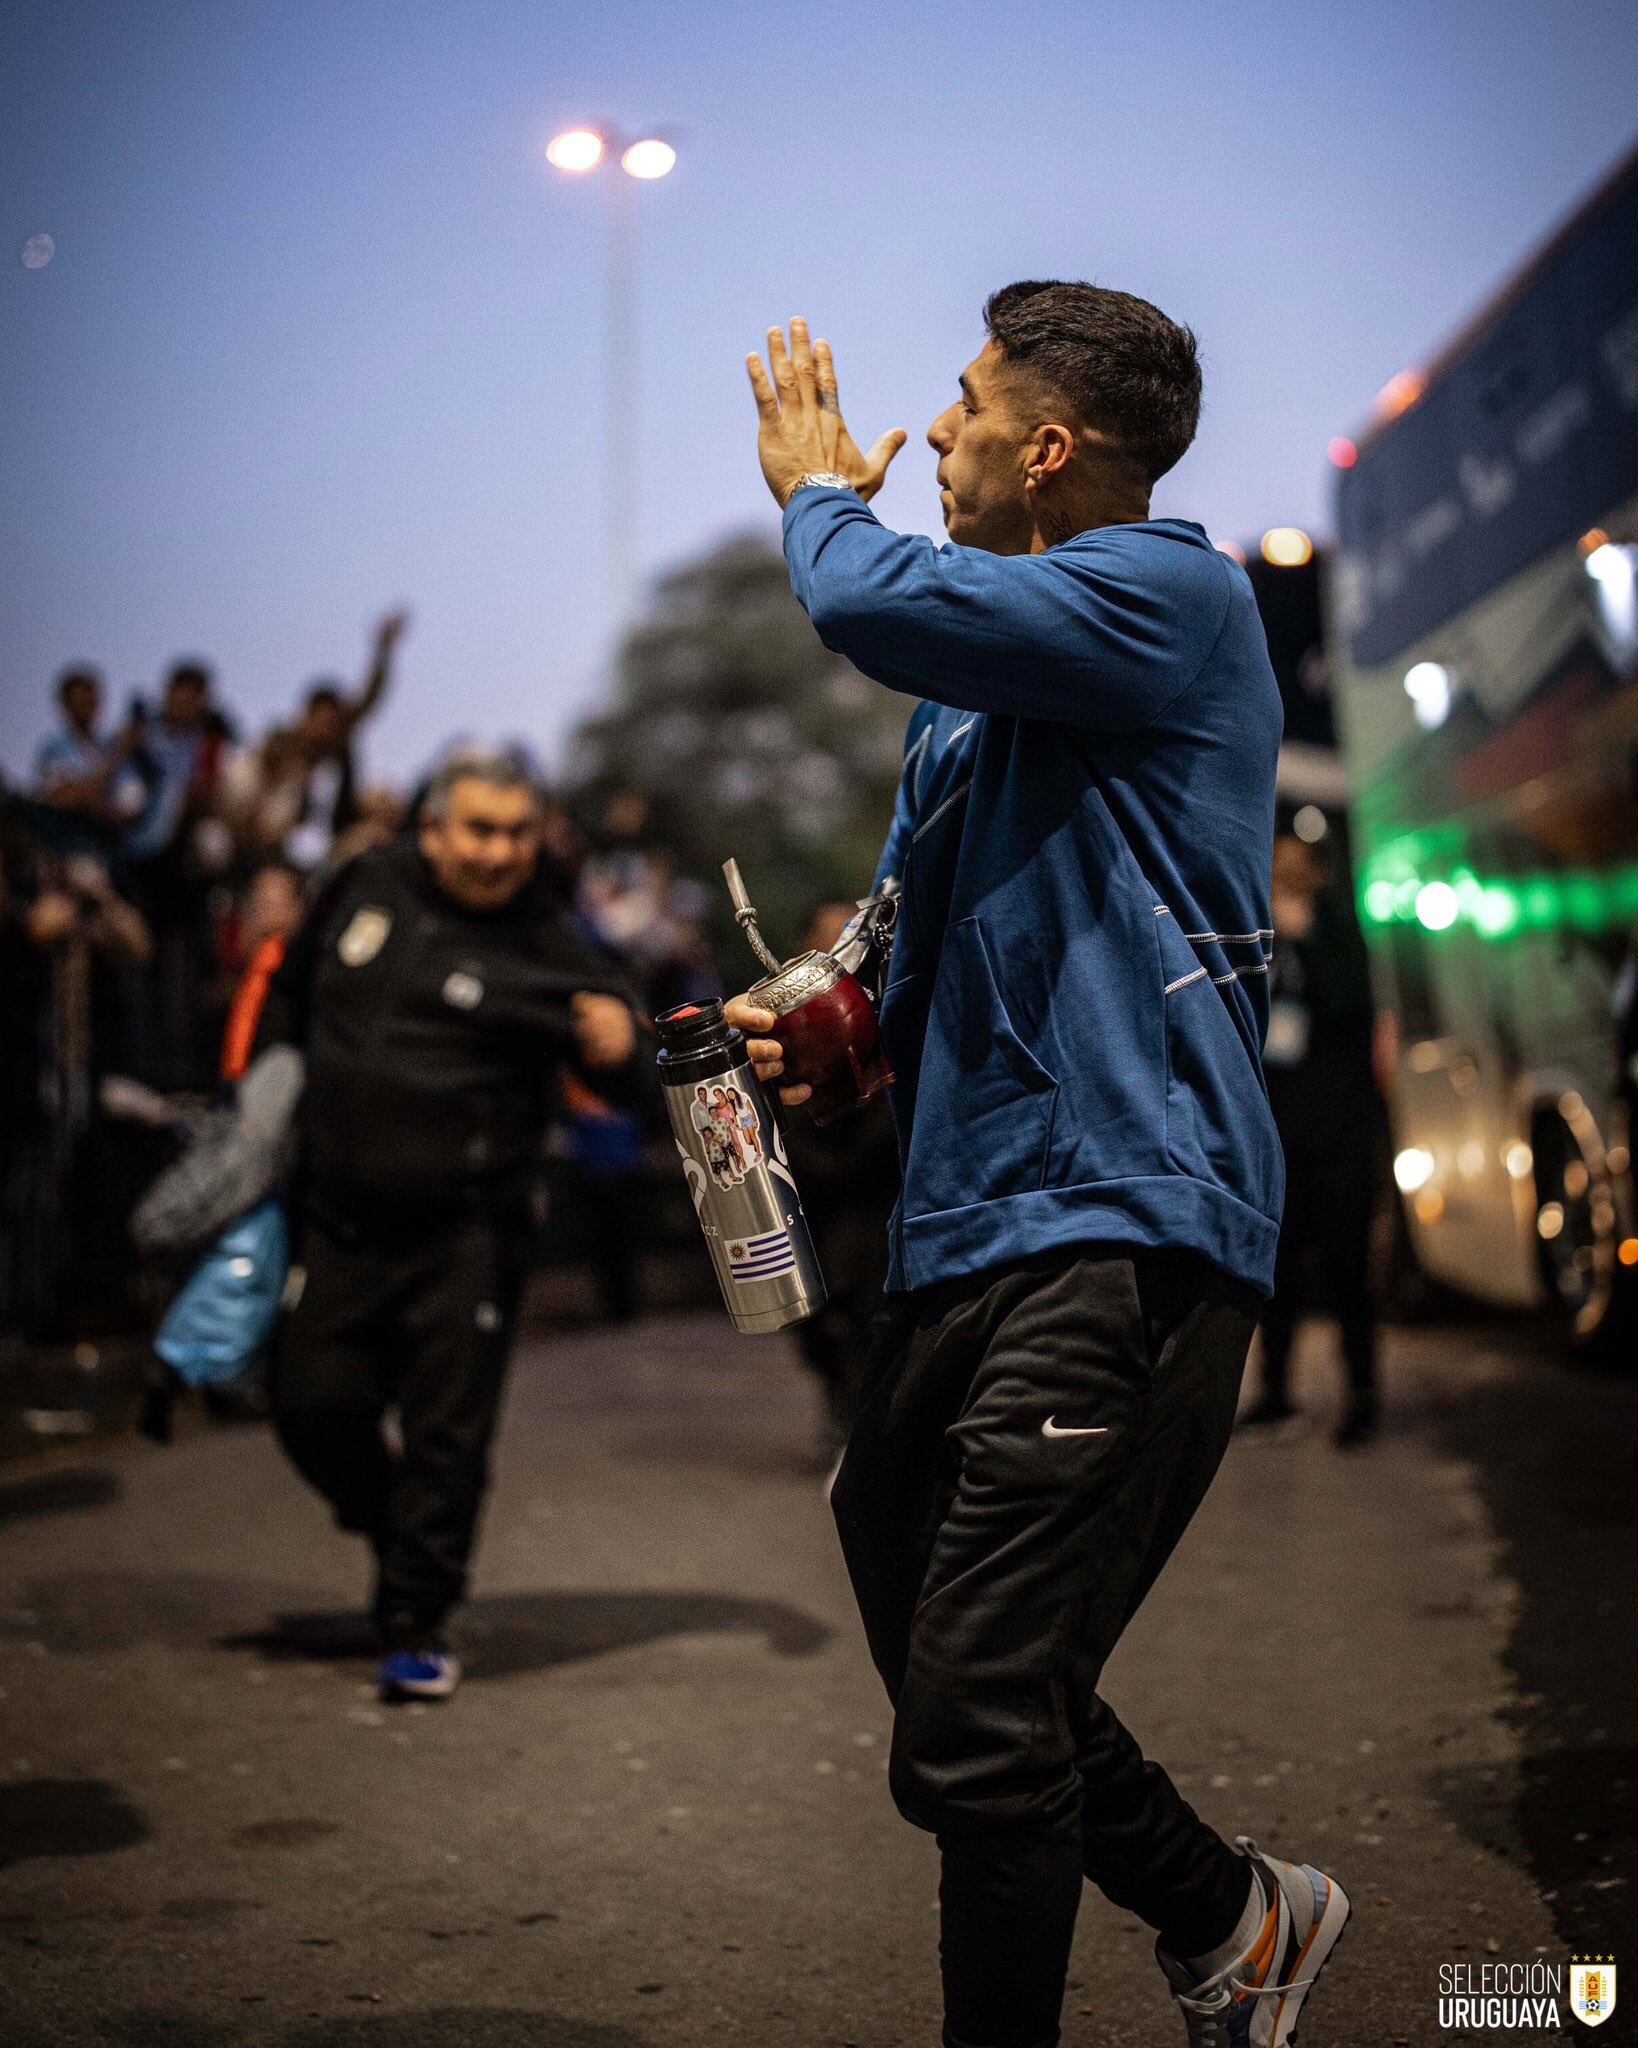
point(1413, 1168)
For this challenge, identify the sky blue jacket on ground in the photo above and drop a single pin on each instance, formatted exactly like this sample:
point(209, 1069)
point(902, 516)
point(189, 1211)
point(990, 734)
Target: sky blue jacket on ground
point(1078, 991)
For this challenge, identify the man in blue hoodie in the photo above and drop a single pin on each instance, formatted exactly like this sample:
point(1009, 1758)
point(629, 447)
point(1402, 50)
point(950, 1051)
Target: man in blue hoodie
point(1075, 1009)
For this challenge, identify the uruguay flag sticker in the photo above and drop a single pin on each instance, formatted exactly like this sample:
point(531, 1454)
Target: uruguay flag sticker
point(760, 1258)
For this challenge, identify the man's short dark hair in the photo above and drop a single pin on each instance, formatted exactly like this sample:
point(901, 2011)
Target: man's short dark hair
point(324, 697)
point(1127, 370)
point(75, 677)
point(189, 675)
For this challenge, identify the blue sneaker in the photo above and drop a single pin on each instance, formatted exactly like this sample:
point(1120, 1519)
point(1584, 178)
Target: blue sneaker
point(1254, 2001)
point(429, 1674)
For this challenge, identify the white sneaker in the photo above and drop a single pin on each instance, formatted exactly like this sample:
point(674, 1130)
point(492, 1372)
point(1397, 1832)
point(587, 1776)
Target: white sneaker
point(1254, 2001)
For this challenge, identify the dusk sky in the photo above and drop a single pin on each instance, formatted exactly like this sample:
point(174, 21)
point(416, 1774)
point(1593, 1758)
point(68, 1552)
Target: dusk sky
point(322, 330)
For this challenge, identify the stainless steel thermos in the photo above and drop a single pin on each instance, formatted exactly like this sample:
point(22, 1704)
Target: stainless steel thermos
point(732, 1153)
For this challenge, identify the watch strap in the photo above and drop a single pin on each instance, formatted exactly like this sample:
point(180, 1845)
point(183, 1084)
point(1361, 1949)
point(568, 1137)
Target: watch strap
point(820, 479)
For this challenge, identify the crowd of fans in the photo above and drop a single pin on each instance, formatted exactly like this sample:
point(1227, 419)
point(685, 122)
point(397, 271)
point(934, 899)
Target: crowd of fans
point(153, 867)
point(153, 864)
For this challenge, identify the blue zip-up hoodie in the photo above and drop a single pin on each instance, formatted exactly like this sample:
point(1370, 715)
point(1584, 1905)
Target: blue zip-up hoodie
point(1078, 990)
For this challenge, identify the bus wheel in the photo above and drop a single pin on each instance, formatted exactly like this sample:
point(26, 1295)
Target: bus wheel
point(1576, 1228)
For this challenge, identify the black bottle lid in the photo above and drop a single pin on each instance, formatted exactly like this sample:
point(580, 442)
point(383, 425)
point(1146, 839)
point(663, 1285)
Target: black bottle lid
point(695, 1031)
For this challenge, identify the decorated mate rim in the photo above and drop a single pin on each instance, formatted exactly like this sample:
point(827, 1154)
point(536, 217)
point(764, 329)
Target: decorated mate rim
point(798, 981)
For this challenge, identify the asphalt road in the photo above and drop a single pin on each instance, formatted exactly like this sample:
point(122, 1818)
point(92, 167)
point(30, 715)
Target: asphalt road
point(657, 1815)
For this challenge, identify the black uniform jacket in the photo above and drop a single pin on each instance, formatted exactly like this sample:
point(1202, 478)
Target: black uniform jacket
point(432, 1033)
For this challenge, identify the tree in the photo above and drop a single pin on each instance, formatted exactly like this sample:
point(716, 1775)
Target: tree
point(749, 738)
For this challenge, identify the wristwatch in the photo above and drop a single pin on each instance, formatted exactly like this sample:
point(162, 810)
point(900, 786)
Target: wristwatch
point(820, 479)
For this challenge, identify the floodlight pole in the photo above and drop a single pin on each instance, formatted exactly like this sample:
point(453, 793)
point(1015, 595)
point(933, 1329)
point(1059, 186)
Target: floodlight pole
point(578, 151)
point(622, 481)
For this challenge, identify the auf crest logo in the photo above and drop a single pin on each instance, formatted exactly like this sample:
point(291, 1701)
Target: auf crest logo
point(1592, 1988)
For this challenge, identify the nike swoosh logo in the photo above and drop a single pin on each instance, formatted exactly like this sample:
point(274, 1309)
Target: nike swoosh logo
point(1050, 1428)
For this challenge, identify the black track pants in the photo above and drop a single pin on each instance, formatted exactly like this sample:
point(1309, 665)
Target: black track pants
point(418, 1316)
point(1031, 1447)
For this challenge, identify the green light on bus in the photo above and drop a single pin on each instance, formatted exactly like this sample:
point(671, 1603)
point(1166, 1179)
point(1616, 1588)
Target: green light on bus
point(1584, 902)
point(1437, 906)
point(1380, 899)
point(1541, 905)
point(1394, 890)
point(1498, 911)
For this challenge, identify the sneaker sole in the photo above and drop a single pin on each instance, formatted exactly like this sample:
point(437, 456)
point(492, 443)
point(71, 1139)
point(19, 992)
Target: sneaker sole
point(1315, 1953)
point(433, 1689)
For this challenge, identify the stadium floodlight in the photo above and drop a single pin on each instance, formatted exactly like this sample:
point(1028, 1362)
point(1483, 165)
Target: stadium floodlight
point(650, 158)
point(576, 150)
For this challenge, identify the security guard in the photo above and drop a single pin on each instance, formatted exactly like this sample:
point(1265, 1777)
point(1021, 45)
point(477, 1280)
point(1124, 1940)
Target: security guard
point(435, 988)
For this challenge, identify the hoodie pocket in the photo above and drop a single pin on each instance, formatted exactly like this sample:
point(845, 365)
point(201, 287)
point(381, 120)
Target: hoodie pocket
point(985, 1104)
point(1218, 1124)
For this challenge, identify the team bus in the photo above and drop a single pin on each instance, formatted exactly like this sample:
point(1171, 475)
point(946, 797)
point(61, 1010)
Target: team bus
point(1483, 621)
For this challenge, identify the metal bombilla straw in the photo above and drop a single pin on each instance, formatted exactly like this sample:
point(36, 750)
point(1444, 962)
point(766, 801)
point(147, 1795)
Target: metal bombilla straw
point(745, 914)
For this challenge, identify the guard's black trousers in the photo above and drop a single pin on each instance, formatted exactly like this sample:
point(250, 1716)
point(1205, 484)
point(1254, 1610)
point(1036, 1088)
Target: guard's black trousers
point(1032, 1446)
point(1330, 1194)
point(413, 1313)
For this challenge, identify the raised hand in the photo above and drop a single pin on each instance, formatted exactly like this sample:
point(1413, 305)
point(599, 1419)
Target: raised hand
point(389, 631)
point(799, 411)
